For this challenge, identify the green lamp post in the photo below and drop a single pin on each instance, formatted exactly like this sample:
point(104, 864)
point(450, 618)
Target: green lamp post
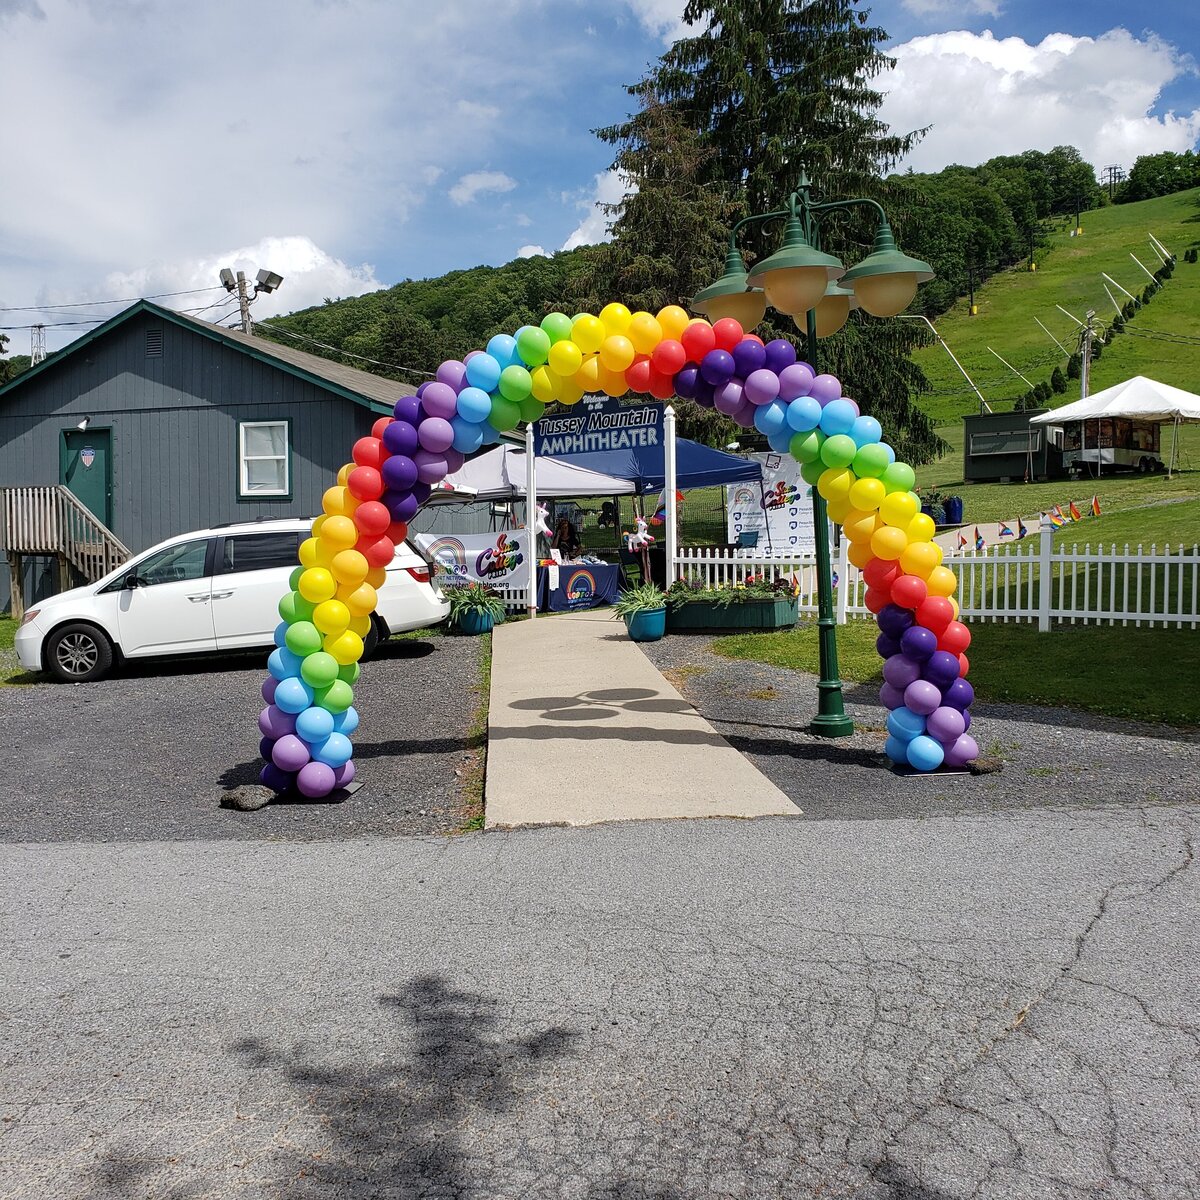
point(818, 293)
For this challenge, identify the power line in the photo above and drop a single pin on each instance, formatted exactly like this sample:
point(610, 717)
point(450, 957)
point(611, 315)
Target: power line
point(97, 303)
point(344, 353)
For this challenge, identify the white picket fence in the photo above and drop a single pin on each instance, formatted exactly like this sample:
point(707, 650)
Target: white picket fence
point(1022, 581)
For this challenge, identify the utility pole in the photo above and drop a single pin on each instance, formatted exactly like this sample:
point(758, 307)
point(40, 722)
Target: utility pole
point(1112, 176)
point(244, 303)
point(268, 281)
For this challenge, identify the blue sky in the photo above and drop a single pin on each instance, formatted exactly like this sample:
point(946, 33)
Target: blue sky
point(349, 144)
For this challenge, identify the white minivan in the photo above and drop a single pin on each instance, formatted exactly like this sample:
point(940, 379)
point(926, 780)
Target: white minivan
point(215, 589)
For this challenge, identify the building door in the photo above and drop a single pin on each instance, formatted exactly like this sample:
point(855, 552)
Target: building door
point(85, 468)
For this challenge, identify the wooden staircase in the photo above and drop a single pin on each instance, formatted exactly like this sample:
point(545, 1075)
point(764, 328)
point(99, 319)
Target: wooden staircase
point(51, 521)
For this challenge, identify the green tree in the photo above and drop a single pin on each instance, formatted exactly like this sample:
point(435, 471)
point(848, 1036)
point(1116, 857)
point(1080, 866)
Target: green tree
point(1058, 381)
point(1160, 175)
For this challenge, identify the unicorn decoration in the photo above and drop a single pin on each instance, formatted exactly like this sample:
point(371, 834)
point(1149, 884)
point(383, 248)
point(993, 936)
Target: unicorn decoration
point(642, 539)
point(540, 526)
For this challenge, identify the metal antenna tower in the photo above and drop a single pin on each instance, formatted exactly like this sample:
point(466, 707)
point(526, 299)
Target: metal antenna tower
point(37, 344)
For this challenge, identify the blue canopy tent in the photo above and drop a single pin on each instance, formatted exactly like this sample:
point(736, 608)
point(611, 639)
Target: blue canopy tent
point(696, 465)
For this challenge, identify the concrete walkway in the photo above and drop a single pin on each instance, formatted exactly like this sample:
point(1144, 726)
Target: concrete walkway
point(584, 729)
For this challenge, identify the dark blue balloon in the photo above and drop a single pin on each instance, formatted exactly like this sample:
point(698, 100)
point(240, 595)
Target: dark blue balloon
point(717, 367)
point(886, 646)
point(918, 642)
point(748, 355)
point(685, 382)
point(408, 408)
point(705, 393)
point(400, 437)
point(779, 354)
point(265, 746)
point(941, 669)
point(894, 620)
point(421, 492)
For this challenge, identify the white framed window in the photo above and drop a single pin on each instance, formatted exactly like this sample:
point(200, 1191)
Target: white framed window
point(264, 458)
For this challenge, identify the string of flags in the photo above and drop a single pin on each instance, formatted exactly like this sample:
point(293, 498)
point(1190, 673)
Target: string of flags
point(1056, 516)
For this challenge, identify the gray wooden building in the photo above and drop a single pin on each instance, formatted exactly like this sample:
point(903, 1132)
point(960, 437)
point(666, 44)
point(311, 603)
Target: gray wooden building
point(156, 423)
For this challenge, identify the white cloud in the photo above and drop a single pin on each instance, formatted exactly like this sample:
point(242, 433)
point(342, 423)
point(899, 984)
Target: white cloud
point(532, 252)
point(661, 18)
point(522, 220)
point(610, 188)
point(470, 186)
point(475, 111)
point(986, 96)
point(936, 8)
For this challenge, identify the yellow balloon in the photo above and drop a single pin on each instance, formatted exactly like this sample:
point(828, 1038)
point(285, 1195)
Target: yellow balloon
point(360, 600)
point(859, 526)
point(612, 383)
point(344, 473)
point(588, 333)
point(835, 483)
point(672, 321)
point(942, 582)
point(350, 566)
point(317, 584)
point(334, 501)
point(899, 508)
point(919, 558)
point(569, 392)
point(921, 528)
point(331, 617)
point(860, 553)
point(616, 353)
point(545, 384)
point(889, 542)
point(588, 375)
point(565, 358)
point(839, 510)
point(953, 604)
point(867, 495)
point(346, 647)
point(314, 553)
point(615, 317)
point(360, 625)
point(644, 332)
point(318, 525)
point(339, 533)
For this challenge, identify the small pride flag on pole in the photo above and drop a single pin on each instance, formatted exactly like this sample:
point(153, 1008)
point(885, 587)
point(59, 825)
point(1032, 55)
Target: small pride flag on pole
point(962, 541)
point(1021, 530)
point(979, 543)
point(1095, 506)
point(1063, 519)
point(1076, 515)
point(1056, 518)
point(1004, 530)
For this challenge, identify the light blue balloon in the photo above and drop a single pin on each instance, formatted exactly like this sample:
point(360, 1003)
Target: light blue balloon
point(283, 663)
point(334, 750)
point(889, 451)
point(314, 725)
point(467, 437)
point(280, 633)
point(804, 414)
point(897, 751)
point(474, 404)
point(838, 416)
point(866, 430)
point(781, 442)
point(925, 754)
point(770, 418)
point(483, 372)
point(491, 435)
point(293, 695)
point(503, 348)
point(905, 724)
point(346, 722)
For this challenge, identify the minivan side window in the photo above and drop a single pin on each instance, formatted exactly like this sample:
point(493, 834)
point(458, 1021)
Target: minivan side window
point(258, 552)
point(174, 564)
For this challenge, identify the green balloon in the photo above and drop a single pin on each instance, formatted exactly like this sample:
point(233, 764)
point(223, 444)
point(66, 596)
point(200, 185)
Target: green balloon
point(515, 383)
point(556, 326)
point(319, 670)
point(810, 472)
point(899, 477)
point(303, 638)
point(839, 450)
point(293, 607)
point(533, 345)
point(294, 578)
point(531, 409)
point(871, 461)
point(505, 414)
point(337, 697)
point(349, 673)
point(806, 447)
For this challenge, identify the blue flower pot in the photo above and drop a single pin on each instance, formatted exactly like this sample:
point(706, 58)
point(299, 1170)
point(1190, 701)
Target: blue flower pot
point(475, 621)
point(648, 625)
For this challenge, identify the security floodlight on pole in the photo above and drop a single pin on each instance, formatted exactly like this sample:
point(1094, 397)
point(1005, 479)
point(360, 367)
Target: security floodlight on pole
point(267, 281)
point(818, 293)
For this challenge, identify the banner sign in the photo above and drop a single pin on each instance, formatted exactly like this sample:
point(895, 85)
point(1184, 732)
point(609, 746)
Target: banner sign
point(781, 513)
point(600, 424)
point(494, 558)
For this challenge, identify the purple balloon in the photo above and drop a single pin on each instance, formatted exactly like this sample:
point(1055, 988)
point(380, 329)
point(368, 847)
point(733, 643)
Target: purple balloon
point(268, 689)
point(891, 697)
point(745, 415)
point(964, 751)
point(886, 646)
point(432, 468)
point(421, 491)
point(794, 381)
point(408, 408)
point(960, 694)
point(780, 354)
point(922, 697)
point(421, 388)
point(402, 505)
point(278, 781)
point(728, 397)
point(454, 374)
point(946, 724)
point(941, 670)
point(439, 400)
point(290, 753)
point(749, 356)
point(345, 773)
point(826, 388)
point(894, 620)
point(900, 670)
point(966, 712)
point(315, 780)
point(762, 387)
point(454, 460)
point(854, 405)
point(399, 472)
point(705, 393)
point(918, 642)
point(717, 367)
point(265, 746)
point(401, 438)
point(436, 434)
point(685, 381)
point(274, 722)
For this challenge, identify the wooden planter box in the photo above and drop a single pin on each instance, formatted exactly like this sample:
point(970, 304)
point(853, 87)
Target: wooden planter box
point(707, 616)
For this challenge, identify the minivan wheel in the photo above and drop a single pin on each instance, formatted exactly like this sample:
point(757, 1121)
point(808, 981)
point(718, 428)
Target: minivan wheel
point(78, 653)
point(372, 640)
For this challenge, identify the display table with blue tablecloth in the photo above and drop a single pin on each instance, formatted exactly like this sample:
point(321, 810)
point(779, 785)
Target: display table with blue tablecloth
point(570, 586)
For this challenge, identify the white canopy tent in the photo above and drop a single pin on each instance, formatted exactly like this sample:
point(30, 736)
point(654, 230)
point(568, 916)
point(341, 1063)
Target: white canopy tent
point(1137, 399)
point(500, 474)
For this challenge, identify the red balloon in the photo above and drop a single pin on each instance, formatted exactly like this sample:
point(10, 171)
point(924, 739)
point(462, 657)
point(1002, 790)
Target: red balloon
point(397, 531)
point(909, 591)
point(881, 573)
point(728, 333)
point(365, 483)
point(753, 337)
point(372, 518)
point(380, 425)
point(698, 339)
point(875, 599)
point(662, 387)
point(935, 612)
point(668, 357)
point(369, 452)
point(964, 665)
point(377, 551)
point(637, 375)
point(956, 637)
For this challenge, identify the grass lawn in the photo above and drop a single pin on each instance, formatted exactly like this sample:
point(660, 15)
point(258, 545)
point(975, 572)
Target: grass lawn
point(1142, 674)
point(8, 630)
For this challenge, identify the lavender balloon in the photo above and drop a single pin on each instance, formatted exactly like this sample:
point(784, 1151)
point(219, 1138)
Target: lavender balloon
point(780, 354)
point(946, 724)
point(436, 435)
point(762, 387)
point(454, 460)
point(918, 642)
point(922, 697)
point(964, 751)
point(290, 753)
point(431, 467)
point(439, 400)
point(745, 415)
point(454, 374)
point(344, 774)
point(891, 697)
point(796, 380)
point(273, 722)
point(268, 689)
point(825, 388)
point(728, 397)
point(900, 671)
point(315, 780)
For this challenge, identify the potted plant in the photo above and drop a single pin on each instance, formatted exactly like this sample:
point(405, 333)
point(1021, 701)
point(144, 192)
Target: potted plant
point(758, 602)
point(474, 607)
point(933, 504)
point(644, 610)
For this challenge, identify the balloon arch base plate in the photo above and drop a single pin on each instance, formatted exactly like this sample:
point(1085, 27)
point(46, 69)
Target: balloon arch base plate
point(904, 771)
point(295, 796)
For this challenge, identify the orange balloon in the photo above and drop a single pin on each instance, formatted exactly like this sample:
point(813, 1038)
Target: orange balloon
point(889, 542)
point(860, 553)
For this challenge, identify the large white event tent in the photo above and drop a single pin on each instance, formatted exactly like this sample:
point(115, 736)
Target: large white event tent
point(500, 474)
point(1137, 399)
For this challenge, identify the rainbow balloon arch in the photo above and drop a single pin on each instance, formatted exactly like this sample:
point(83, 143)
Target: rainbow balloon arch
point(310, 715)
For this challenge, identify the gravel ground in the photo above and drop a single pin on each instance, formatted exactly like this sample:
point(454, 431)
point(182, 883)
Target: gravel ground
point(1049, 757)
point(147, 754)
